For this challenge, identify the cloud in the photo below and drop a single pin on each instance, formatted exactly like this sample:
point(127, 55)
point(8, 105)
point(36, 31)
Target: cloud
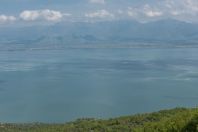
point(29, 15)
point(151, 12)
point(179, 7)
point(97, 1)
point(100, 14)
point(144, 12)
point(175, 13)
point(5, 19)
point(192, 5)
point(120, 11)
point(49, 15)
point(185, 10)
point(131, 12)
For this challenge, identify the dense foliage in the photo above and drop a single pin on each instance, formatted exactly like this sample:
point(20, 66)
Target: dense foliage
point(175, 120)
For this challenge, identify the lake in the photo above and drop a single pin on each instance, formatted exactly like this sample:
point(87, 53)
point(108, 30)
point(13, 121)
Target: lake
point(63, 85)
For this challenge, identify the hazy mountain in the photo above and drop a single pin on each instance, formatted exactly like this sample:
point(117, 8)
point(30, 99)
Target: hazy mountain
point(101, 33)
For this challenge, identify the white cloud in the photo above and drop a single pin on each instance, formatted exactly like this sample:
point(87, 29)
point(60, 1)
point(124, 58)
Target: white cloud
point(132, 12)
point(97, 1)
point(144, 12)
point(49, 15)
point(100, 14)
point(4, 18)
point(175, 13)
point(186, 10)
point(120, 11)
point(176, 7)
point(192, 4)
point(29, 15)
point(151, 12)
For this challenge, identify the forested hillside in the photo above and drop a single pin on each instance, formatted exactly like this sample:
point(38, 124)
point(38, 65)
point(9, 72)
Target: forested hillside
point(175, 120)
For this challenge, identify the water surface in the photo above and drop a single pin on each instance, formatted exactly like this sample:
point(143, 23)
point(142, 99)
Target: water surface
point(63, 85)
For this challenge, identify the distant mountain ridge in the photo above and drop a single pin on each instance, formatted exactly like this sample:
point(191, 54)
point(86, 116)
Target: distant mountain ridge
point(108, 32)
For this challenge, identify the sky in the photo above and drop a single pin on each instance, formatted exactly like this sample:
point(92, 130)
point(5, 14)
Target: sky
point(44, 11)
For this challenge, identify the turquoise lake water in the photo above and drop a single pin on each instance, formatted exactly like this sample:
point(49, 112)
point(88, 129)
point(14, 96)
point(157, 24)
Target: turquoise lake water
point(63, 85)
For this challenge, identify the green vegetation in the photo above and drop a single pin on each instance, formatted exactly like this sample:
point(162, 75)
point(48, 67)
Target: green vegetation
point(175, 120)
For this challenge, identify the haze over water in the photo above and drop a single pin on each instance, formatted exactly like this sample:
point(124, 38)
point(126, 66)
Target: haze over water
point(63, 85)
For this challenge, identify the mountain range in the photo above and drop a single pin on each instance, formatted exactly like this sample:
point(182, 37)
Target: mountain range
point(121, 33)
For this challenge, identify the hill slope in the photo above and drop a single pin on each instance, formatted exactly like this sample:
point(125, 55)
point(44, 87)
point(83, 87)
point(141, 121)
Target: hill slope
point(175, 120)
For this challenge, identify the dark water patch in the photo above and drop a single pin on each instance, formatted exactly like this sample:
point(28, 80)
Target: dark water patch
point(2, 89)
point(191, 75)
point(2, 81)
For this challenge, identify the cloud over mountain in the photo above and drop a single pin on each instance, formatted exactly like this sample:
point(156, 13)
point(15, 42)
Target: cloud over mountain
point(102, 10)
point(46, 14)
point(5, 18)
point(97, 1)
point(100, 14)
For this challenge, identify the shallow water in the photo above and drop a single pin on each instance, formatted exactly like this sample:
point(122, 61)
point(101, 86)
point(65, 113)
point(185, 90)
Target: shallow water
point(63, 85)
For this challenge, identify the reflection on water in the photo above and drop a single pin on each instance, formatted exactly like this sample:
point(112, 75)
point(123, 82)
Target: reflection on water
point(62, 85)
